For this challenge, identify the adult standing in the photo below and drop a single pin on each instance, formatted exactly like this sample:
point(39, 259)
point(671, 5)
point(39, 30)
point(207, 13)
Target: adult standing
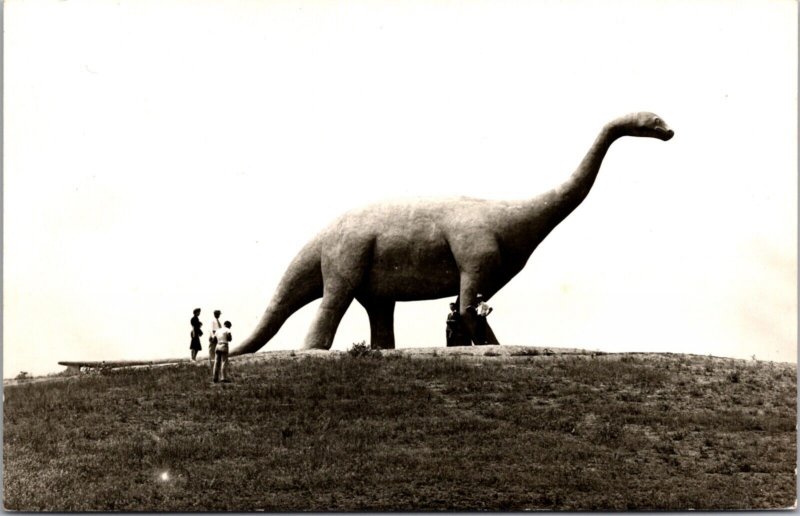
point(455, 328)
point(224, 338)
point(212, 339)
point(482, 310)
point(196, 333)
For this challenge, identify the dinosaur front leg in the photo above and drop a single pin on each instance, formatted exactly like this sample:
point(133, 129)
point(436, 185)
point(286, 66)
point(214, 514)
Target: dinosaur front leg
point(471, 285)
point(381, 323)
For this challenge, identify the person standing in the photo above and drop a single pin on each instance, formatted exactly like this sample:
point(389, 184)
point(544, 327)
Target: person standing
point(195, 346)
point(482, 310)
point(224, 338)
point(212, 339)
point(455, 328)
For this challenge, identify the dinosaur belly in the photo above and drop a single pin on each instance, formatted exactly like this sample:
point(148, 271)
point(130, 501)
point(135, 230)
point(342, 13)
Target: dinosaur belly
point(412, 269)
point(402, 284)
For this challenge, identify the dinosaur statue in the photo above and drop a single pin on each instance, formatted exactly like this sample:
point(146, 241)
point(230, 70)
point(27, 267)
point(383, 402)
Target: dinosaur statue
point(428, 249)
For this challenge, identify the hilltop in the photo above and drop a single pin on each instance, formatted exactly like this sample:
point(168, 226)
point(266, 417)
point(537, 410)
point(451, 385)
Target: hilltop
point(481, 428)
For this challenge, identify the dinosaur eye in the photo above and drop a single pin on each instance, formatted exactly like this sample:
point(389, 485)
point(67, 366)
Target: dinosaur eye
point(657, 121)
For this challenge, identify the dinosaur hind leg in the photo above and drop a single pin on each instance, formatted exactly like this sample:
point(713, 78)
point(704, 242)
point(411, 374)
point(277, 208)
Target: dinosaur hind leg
point(335, 301)
point(343, 268)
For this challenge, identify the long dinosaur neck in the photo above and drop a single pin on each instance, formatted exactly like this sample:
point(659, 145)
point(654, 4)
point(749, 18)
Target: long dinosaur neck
point(574, 190)
point(532, 220)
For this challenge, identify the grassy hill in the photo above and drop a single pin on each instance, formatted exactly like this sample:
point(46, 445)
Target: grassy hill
point(485, 428)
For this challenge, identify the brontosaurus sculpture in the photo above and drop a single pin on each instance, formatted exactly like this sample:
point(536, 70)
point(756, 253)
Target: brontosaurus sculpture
point(428, 249)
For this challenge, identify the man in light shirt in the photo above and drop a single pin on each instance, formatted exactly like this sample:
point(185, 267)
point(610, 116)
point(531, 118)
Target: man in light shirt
point(482, 310)
point(224, 338)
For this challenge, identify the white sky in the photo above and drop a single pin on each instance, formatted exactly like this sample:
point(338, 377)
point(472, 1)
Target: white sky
point(162, 155)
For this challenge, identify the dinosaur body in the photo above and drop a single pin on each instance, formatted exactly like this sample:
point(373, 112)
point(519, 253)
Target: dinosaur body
point(427, 249)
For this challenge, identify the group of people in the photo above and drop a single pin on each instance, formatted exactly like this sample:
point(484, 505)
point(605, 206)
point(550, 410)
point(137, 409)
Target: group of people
point(218, 343)
point(458, 334)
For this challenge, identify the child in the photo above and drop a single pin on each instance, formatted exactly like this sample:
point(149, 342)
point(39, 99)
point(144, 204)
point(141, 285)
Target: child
point(224, 338)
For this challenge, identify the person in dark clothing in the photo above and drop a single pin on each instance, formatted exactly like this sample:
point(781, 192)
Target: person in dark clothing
point(482, 310)
point(196, 333)
point(456, 336)
point(212, 339)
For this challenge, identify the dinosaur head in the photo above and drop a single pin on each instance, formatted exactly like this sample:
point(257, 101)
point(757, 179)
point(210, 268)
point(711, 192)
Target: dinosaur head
point(648, 125)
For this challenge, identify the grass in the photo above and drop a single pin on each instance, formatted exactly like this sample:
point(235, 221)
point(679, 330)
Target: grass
point(371, 431)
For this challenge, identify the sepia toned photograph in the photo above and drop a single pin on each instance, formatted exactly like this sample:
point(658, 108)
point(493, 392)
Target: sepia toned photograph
point(421, 256)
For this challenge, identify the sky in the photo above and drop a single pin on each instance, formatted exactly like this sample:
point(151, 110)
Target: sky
point(166, 155)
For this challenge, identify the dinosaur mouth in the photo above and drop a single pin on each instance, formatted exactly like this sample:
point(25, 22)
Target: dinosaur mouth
point(665, 134)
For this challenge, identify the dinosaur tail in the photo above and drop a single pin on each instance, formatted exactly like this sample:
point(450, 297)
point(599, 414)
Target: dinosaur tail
point(301, 284)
